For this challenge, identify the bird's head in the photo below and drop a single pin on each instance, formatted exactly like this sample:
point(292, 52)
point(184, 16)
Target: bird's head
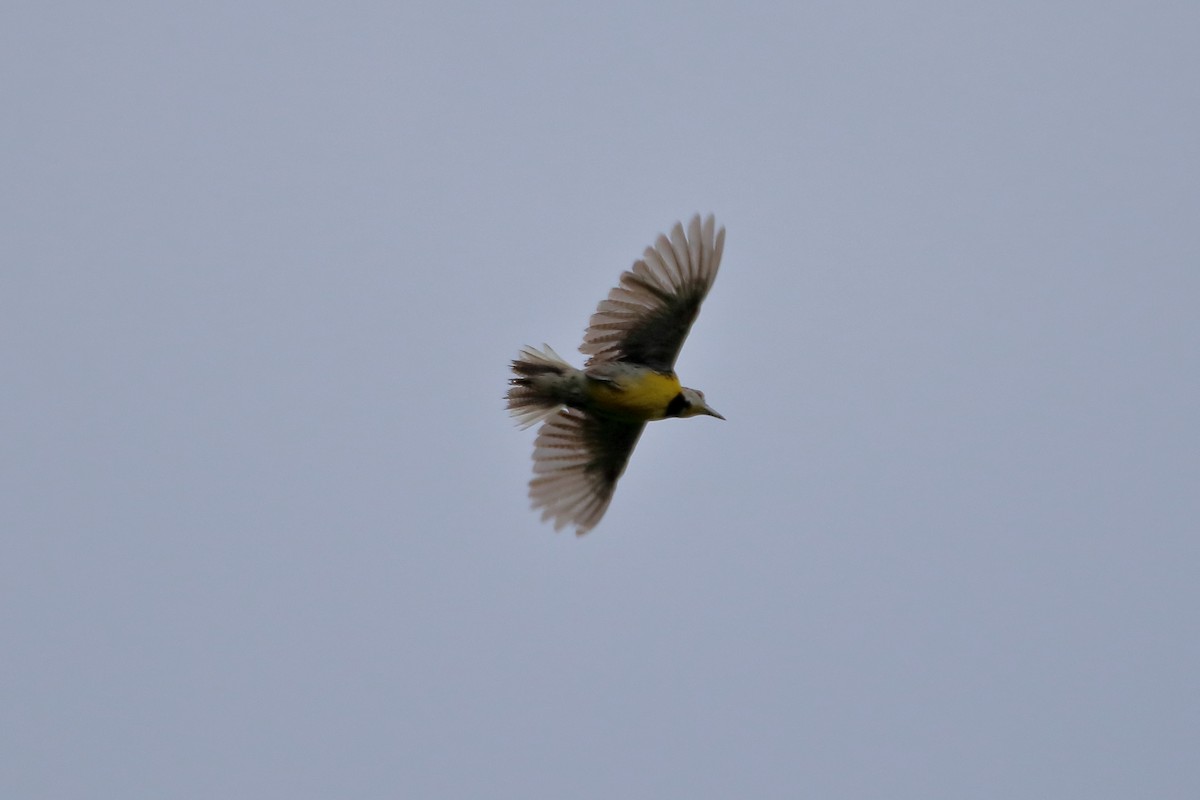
point(695, 404)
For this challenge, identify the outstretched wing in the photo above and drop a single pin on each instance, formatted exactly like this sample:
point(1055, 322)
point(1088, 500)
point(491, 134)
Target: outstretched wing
point(577, 459)
point(647, 316)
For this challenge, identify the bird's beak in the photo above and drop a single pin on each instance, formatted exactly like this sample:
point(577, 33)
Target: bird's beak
point(708, 410)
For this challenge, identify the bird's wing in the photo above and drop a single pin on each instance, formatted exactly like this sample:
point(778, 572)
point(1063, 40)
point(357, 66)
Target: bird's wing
point(645, 319)
point(577, 459)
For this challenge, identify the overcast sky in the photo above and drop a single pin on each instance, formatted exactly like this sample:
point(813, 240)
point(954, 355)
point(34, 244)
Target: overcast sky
point(264, 529)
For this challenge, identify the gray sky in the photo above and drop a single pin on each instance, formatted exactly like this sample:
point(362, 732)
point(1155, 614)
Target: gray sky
point(265, 526)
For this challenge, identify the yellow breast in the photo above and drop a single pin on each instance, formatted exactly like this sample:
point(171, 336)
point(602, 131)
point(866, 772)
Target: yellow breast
point(640, 394)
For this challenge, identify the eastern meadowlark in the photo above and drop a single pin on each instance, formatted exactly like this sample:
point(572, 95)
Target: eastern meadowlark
point(594, 416)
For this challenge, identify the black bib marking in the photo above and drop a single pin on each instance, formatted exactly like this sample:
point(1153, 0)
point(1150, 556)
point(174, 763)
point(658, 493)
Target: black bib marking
point(677, 405)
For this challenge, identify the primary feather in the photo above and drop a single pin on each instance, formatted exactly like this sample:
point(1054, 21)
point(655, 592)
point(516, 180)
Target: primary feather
point(577, 459)
point(647, 316)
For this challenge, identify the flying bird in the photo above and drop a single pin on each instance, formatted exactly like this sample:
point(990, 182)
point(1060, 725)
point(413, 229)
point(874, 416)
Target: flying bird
point(592, 417)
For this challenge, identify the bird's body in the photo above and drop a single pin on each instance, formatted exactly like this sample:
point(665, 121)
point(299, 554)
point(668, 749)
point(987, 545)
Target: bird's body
point(594, 416)
point(632, 392)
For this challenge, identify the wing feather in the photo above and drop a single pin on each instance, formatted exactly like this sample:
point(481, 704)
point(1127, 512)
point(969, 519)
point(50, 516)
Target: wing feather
point(693, 241)
point(647, 316)
point(682, 253)
point(577, 459)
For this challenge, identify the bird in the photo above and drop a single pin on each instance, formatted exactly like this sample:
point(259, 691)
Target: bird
point(592, 417)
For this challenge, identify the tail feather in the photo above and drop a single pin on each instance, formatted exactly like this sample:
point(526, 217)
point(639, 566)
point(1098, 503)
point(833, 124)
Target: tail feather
point(529, 397)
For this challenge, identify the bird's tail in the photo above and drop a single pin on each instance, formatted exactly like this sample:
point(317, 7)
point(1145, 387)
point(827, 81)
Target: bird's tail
point(536, 393)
